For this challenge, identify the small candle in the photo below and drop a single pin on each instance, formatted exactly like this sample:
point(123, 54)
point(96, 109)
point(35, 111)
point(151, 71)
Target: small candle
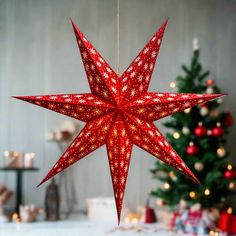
point(13, 159)
point(6, 154)
point(28, 160)
point(195, 44)
point(229, 210)
point(15, 218)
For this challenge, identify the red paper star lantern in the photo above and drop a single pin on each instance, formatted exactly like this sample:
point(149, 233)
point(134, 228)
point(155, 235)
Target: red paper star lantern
point(119, 112)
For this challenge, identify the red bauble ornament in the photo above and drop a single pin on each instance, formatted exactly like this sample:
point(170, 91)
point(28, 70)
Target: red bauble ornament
point(228, 119)
point(209, 82)
point(200, 131)
point(228, 174)
point(218, 130)
point(192, 149)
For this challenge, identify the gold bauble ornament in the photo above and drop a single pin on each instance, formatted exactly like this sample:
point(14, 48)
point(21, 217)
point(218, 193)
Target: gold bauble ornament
point(221, 152)
point(192, 194)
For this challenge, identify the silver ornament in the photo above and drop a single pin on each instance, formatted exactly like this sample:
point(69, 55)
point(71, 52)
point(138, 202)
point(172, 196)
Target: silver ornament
point(185, 130)
point(204, 111)
point(198, 166)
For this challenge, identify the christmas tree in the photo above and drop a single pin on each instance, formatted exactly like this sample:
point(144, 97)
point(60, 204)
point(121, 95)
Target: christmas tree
point(199, 137)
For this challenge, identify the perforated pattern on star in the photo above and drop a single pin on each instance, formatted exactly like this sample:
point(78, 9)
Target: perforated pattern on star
point(153, 106)
point(84, 107)
point(119, 113)
point(119, 149)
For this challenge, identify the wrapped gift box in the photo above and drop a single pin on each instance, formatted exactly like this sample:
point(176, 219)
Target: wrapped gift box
point(164, 215)
point(103, 209)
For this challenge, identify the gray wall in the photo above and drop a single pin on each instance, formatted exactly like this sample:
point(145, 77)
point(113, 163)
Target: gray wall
point(39, 55)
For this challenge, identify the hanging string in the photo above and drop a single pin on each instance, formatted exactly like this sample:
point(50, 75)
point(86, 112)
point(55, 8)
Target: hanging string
point(118, 37)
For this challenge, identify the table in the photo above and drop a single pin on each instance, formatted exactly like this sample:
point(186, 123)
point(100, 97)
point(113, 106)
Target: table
point(19, 183)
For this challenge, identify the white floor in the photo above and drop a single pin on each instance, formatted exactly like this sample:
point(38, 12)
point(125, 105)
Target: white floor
point(79, 226)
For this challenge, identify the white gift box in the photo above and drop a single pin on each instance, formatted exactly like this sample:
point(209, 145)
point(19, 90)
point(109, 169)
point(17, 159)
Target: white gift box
point(103, 209)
